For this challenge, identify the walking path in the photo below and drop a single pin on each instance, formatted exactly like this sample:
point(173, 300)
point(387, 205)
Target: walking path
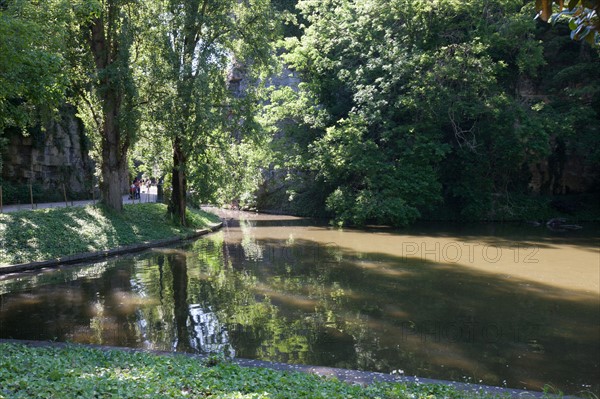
point(145, 196)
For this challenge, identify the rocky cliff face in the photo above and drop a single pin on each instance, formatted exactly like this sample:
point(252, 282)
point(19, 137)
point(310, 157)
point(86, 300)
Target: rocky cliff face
point(564, 173)
point(50, 157)
point(238, 82)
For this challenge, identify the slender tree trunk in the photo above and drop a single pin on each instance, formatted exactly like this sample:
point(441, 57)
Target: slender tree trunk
point(177, 206)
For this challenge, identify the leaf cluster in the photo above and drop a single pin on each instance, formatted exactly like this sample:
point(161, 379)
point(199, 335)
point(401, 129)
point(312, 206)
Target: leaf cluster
point(32, 78)
point(583, 17)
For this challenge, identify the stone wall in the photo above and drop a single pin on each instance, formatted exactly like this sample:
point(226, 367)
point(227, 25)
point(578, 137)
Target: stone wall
point(238, 82)
point(564, 174)
point(50, 157)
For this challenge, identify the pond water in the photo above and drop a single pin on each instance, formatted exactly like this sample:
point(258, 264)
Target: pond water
point(506, 305)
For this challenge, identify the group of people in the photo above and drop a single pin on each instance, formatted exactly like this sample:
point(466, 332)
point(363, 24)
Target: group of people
point(135, 188)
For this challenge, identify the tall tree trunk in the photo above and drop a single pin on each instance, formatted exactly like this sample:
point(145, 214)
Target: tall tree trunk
point(113, 155)
point(183, 63)
point(177, 206)
point(114, 145)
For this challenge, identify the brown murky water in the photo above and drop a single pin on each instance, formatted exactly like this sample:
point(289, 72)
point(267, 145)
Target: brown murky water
point(501, 304)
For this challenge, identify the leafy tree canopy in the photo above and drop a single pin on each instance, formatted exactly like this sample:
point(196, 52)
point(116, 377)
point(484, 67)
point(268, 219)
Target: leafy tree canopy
point(405, 105)
point(32, 78)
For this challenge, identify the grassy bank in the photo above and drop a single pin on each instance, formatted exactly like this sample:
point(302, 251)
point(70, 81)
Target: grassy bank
point(79, 372)
point(29, 236)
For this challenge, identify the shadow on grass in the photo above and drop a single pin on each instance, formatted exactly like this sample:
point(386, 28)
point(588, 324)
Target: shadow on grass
point(51, 233)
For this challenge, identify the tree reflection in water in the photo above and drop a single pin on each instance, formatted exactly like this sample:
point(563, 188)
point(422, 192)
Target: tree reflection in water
point(300, 300)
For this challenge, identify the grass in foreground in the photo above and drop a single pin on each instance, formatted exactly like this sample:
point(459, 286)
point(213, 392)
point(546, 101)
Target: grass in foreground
point(80, 372)
point(44, 234)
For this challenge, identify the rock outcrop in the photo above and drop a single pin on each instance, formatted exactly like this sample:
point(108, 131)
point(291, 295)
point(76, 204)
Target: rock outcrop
point(50, 157)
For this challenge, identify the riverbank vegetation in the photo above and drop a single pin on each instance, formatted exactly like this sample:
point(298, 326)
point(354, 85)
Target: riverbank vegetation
point(387, 111)
point(28, 236)
point(78, 372)
point(463, 110)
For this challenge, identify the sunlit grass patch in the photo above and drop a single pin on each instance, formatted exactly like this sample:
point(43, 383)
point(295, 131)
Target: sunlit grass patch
point(44, 234)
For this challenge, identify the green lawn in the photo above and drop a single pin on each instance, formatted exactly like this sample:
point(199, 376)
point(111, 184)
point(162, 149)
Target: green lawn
point(81, 372)
point(43, 234)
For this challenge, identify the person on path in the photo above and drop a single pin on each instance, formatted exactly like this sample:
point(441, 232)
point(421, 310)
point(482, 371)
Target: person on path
point(137, 188)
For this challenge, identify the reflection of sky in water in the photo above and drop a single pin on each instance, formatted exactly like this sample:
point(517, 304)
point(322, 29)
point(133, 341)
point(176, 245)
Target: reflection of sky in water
point(208, 335)
point(252, 250)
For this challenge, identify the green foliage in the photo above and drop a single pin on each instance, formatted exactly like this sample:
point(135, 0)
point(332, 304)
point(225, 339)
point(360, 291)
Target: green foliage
point(231, 176)
point(28, 236)
point(98, 42)
point(184, 69)
point(369, 187)
point(32, 74)
point(74, 372)
point(404, 106)
point(407, 104)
